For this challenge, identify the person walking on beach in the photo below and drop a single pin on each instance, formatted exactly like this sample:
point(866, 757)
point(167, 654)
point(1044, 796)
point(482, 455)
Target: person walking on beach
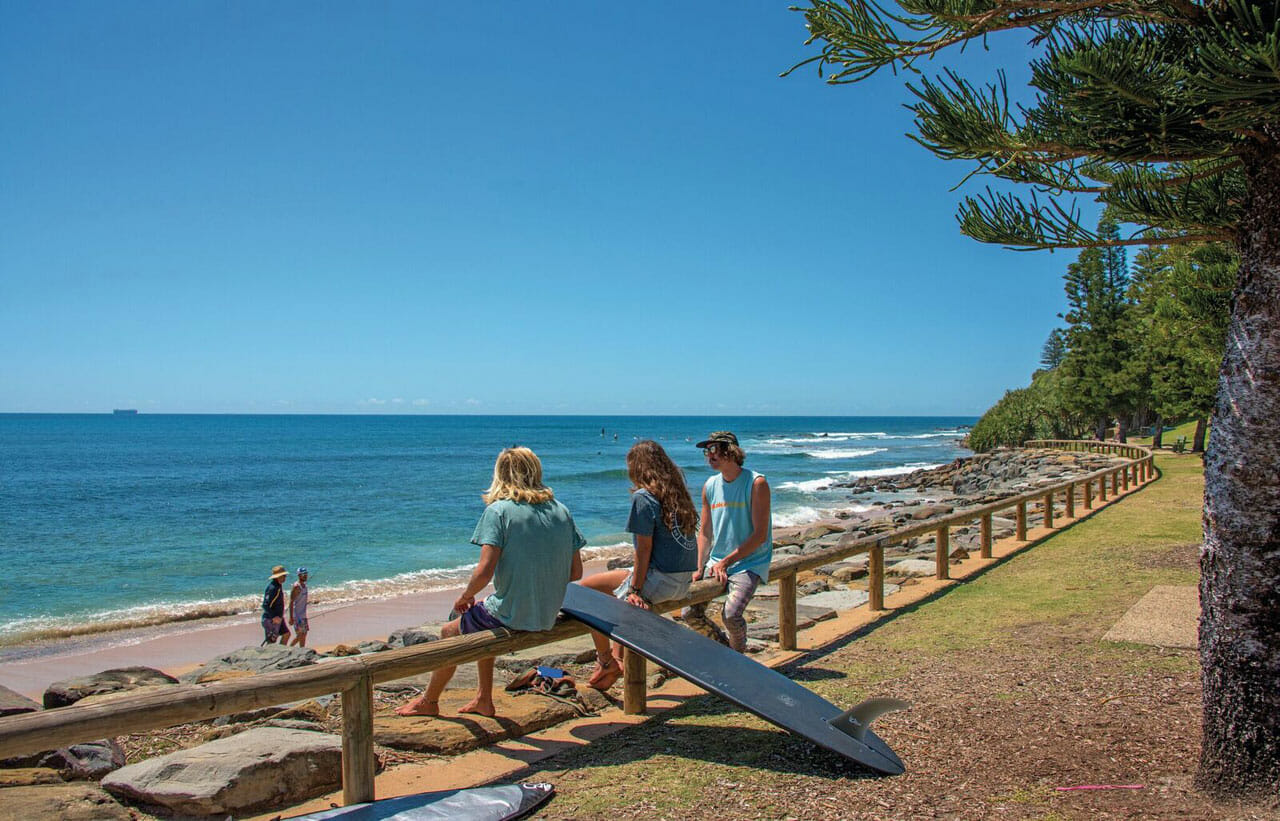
point(529, 548)
point(735, 542)
point(298, 609)
point(664, 526)
point(273, 626)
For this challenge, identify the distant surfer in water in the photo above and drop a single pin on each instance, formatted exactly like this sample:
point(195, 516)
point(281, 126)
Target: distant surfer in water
point(664, 526)
point(735, 542)
point(529, 549)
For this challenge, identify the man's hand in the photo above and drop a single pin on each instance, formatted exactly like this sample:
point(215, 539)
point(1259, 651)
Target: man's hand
point(636, 600)
point(720, 571)
point(463, 604)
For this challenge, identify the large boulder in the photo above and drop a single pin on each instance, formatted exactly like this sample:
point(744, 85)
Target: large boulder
point(259, 769)
point(267, 659)
point(458, 733)
point(12, 703)
point(69, 691)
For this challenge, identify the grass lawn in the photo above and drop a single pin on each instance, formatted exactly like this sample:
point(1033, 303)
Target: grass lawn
point(1014, 693)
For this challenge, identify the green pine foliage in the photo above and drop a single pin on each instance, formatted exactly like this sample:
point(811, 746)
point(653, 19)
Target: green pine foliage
point(1038, 411)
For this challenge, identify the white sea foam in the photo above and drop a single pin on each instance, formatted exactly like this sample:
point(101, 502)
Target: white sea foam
point(898, 471)
point(798, 516)
point(846, 453)
point(809, 486)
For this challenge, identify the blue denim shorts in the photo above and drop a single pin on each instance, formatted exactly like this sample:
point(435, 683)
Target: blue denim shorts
point(659, 586)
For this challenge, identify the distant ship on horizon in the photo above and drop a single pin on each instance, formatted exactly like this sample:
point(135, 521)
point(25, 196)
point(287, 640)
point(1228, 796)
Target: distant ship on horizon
point(125, 412)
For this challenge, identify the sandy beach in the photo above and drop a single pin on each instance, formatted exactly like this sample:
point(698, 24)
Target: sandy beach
point(177, 647)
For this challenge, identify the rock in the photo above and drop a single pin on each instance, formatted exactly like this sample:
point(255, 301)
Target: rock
point(221, 675)
point(848, 573)
point(343, 650)
point(517, 716)
point(69, 691)
point(65, 802)
point(833, 601)
point(12, 703)
point(783, 536)
point(79, 762)
point(266, 659)
point(409, 636)
point(817, 530)
point(259, 769)
point(913, 567)
point(929, 511)
point(373, 646)
point(310, 711)
point(811, 587)
point(28, 777)
point(620, 563)
point(959, 554)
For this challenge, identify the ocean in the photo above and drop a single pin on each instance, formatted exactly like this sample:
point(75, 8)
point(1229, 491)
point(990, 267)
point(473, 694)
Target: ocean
point(108, 522)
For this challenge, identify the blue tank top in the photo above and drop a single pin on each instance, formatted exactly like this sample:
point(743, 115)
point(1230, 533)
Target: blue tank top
point(730, 504)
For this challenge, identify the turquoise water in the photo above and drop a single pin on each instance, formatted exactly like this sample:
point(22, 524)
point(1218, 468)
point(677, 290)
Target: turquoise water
point(110, 521)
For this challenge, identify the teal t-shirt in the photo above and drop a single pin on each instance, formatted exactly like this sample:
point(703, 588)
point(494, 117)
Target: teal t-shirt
point(731, 525)
point(537, 544)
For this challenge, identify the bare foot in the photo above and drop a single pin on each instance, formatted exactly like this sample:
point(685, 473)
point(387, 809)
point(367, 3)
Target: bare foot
point(478, 707)
point(419, 707)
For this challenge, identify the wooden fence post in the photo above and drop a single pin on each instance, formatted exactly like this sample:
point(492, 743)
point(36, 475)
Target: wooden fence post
point(1102, 488)
point(358, 762)
point(1124, 476)
point(787, 612)
point(1088, 495)
point(634, 688)
point(1021, 533)
point(984, 540)
point(875, 578)
point(1048, 510)
point(1071, 501)
point(942, 552)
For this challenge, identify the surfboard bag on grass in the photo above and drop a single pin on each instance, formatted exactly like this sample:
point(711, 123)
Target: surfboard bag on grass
point(499, 803)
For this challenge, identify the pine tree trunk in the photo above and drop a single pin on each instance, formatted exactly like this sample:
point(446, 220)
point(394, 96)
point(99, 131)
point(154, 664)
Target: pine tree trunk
point(1157, 433)
point(1122, 429)
point(1240, 561)
point(1197, 439)
point(1100, 429)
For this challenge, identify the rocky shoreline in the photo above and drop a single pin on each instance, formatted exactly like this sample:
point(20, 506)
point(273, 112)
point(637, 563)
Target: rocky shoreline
point(169, 771)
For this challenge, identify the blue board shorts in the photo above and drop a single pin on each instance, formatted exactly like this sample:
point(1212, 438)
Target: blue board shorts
point(659, 586)
point(478, 618)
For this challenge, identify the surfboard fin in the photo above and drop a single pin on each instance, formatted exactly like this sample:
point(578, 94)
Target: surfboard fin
point(857, 720)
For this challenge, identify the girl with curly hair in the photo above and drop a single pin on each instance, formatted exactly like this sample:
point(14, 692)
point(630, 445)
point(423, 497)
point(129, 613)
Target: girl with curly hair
point(664, 524)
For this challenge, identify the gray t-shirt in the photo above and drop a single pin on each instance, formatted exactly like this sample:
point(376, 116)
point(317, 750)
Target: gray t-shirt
point(673, 552)
point(537, 544)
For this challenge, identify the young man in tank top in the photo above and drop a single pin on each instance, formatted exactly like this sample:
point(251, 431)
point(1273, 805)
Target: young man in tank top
point(735, 537)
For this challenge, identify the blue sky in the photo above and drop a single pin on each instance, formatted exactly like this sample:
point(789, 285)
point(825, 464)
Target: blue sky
point(428, 207)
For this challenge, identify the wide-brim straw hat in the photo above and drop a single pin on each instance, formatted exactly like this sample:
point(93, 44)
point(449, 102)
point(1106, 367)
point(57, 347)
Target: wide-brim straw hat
point(278, 572)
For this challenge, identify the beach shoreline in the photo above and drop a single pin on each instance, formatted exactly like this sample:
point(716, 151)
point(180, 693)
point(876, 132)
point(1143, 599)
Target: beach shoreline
point(178, 647)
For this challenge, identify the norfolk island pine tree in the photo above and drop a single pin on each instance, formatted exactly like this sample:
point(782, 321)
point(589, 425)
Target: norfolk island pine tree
point(1168, 112)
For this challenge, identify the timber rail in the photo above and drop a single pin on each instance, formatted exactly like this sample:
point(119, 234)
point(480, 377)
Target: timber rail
point(353, 677)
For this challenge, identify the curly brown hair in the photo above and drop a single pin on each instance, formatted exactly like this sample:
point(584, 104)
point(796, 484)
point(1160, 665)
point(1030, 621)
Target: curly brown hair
point(651, 468)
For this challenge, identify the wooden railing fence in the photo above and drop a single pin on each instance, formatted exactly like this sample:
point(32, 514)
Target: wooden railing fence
point(354, 677)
